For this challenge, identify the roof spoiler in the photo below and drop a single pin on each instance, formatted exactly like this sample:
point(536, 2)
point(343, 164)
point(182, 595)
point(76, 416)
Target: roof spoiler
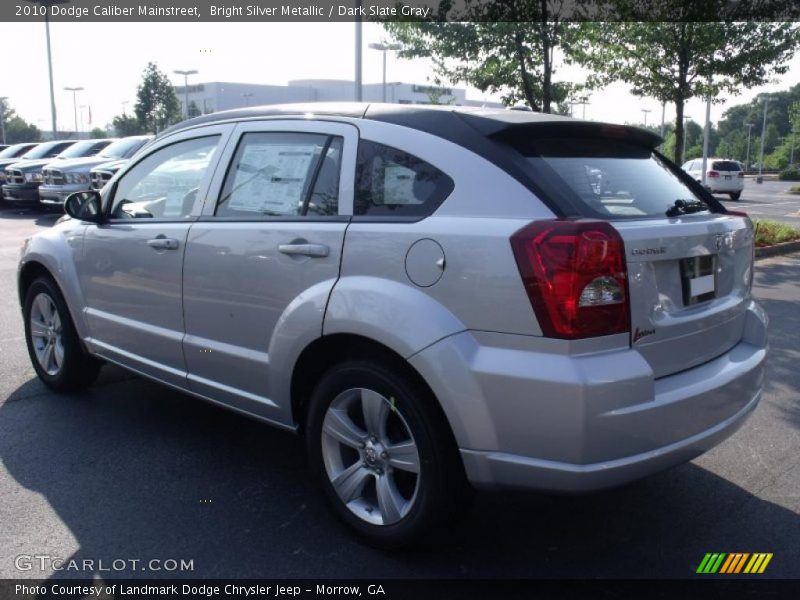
point(554, 127)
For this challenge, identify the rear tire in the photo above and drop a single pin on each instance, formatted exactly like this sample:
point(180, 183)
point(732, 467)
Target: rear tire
point(735, 195)
point(383, 454)
point(53, 344)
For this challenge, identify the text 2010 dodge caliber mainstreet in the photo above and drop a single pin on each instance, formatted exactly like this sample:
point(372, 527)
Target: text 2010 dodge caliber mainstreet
point(433, 296)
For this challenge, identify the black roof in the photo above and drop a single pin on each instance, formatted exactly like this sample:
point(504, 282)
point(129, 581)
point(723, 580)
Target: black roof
point(438, 120)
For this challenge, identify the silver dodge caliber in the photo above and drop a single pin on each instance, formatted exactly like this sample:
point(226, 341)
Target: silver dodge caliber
point(436, 298)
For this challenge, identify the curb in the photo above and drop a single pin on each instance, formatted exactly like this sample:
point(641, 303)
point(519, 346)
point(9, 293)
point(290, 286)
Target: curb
point(778, 249)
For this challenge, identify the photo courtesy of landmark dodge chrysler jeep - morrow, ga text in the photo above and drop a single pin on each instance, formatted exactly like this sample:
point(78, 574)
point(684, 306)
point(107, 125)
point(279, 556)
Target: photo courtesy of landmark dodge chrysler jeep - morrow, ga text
point(435, 297)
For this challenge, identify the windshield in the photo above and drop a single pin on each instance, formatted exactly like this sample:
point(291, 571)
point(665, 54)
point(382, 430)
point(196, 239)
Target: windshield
point(612, 179)
point(42, 150)
point(123, 148)
point(81, 149)
point(14, 151)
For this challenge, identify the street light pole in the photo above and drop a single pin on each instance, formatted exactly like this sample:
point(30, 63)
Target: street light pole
point(645, 111)
point(747, 158)
point(358, 52)
point(247, 96)
point(760, 178)
point(3, 118)
point(385, 48)
point(75, 91)
point(185, 87)
point(46, 4)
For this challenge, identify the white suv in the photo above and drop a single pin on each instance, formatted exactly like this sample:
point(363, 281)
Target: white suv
point(723, 176)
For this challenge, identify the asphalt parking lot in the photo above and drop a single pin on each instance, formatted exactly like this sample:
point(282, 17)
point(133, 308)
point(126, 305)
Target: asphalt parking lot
point(767, 200)
point(134, 471)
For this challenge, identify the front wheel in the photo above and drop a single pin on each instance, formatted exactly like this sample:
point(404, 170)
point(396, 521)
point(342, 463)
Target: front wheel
point(53, 345)
point(735, 195)
point(383, 454)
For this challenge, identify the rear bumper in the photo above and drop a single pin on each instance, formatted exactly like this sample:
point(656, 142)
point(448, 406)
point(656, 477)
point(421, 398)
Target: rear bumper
point(725, 186)
point(585, 422)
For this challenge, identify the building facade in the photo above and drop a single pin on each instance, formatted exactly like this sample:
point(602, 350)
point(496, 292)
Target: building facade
point(214, 96)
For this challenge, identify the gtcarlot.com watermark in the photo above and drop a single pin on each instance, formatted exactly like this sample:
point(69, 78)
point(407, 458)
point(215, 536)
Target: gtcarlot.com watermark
point(48, 563)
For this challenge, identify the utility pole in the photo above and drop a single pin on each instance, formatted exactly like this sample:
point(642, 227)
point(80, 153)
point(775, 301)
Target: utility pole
point(760, 177)
point(706, 135)
point(3, 118)
point(185, 87)
point(747, 159)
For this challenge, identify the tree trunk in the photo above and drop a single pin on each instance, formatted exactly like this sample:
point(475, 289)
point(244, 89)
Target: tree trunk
point(678, 153)
point(527, 90)
point(547, 67)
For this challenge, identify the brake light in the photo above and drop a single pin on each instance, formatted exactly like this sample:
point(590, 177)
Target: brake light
point(575, 275)
point(740, 175)
point(713, 174)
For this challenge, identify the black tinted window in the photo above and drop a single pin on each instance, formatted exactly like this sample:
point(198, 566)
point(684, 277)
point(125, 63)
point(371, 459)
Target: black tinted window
point(393, 183)
point(725, 165)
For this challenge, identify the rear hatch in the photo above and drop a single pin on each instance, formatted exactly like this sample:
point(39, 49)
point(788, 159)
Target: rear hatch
point(689, 262)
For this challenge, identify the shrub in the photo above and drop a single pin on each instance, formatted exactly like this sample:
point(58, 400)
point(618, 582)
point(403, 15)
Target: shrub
point(792, 174)
point(769, 233)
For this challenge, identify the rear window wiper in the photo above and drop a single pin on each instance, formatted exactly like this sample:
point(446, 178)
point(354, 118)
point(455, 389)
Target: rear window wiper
point(685, 207)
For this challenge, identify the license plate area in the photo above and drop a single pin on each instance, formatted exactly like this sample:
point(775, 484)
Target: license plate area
point(699, 279)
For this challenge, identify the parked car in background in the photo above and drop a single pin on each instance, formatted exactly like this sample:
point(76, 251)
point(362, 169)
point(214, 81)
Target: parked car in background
point(430, 295)
point(101, 174)
point(723, 175)
point(24, 178)
point(11, 155)
point(63, 177)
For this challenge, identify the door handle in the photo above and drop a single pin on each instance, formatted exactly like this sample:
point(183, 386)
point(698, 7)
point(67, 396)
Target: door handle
point(315, 250)
point(163, 243)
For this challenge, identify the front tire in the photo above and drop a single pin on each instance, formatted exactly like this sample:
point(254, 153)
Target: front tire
point(53, 345)
point(383, 454)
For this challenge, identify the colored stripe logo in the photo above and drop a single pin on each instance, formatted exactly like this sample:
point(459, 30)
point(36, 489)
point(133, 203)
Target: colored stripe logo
point(734, 563)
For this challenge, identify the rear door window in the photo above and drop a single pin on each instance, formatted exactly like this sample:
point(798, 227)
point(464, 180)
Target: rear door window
point(611, 179)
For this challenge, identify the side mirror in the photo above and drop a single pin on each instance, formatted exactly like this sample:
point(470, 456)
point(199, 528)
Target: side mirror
point(84, 206)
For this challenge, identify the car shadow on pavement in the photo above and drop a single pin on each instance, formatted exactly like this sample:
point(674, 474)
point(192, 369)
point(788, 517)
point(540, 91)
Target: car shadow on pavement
point(43, 217)
point(133, 470)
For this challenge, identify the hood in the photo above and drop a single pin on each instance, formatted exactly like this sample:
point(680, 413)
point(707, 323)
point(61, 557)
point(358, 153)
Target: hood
point(5, 162)
point(77, 164)
point(26, 166)
point(112, 166)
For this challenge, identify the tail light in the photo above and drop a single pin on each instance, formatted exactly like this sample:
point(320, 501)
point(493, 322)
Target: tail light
point(713, 174)
point(740, 175)
point(575, 275)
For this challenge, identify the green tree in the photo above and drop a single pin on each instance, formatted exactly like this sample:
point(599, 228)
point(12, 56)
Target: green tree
point(157, 106)
point(681, 54)
point(500, 47)
point(125, 125)
point(98, 133)
point(16, 128)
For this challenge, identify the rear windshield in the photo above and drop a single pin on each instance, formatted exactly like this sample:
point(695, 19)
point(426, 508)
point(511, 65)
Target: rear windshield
point(610, 179)
point(726, 165)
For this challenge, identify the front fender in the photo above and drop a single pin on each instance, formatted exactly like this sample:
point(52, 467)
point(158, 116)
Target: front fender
point(57, 250)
